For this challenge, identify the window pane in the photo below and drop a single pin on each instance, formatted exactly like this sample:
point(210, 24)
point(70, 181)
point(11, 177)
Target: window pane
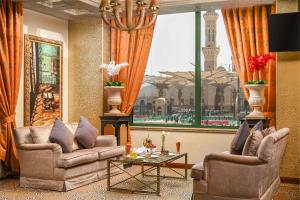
point(167, 95)
point(222, 100)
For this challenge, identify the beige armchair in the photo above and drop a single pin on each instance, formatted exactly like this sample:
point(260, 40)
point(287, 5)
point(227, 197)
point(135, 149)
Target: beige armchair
point(45, 166)
point(227, 177)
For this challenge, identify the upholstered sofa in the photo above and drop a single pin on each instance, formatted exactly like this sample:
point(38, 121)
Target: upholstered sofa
point(228, 177)
point(44, 166)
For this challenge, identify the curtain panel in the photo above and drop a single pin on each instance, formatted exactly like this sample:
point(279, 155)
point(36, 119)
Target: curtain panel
point(11, 43)
point(132, 47)
point(247, 31)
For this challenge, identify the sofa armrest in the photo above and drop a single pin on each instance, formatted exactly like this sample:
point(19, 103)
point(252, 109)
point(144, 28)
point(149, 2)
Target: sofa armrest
point(40, 157)
point(106, 141)
point(247, 160)
point(48, 146)
point(234, 175)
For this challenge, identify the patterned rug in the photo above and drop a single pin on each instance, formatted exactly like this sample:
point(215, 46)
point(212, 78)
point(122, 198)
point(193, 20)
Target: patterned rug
point(171, 189)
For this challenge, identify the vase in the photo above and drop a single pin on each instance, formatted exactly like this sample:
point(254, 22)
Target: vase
point(114, 99)
point(256, 100)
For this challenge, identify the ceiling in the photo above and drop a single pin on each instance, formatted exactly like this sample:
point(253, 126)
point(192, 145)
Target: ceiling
point(73, 9)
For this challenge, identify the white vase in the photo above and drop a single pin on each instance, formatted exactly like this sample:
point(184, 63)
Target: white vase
point(114, 99)
point(256, 100)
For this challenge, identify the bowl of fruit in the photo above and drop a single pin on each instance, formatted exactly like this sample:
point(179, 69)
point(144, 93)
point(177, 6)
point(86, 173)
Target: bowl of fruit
point(147, 143)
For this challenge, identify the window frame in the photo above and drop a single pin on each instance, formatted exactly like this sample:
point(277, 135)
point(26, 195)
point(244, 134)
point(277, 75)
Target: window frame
point(197, 98)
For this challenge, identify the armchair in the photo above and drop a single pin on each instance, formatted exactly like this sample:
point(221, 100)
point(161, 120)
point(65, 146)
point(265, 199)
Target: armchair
point(226, 176)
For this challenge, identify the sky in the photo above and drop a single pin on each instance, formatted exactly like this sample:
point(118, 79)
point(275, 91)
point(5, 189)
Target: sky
point(173, 44)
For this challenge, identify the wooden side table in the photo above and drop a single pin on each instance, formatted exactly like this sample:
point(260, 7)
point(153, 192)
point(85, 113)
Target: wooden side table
point(252, 122)
point(116, 121)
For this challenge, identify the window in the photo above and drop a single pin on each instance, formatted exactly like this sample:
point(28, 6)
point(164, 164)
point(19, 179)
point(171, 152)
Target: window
point(190, 79)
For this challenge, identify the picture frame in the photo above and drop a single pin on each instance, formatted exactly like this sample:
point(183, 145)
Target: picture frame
point(43, 80)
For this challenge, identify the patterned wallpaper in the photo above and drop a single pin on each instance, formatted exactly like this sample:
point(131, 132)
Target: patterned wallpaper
point(87, 50)
point(288, 95)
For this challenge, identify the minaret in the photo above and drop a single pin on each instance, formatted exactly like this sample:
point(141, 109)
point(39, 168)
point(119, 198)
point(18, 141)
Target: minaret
point(210, 50)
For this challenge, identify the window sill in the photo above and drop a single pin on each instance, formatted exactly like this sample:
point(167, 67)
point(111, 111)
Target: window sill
point(185, 129)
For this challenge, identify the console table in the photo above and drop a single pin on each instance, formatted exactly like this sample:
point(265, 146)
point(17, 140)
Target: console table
point(116, 121)
point(252, 122)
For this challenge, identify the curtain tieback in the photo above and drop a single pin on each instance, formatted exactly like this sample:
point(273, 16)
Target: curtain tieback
point(8, 119)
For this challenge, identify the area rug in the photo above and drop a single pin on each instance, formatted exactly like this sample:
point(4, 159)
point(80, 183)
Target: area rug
point(171, 189)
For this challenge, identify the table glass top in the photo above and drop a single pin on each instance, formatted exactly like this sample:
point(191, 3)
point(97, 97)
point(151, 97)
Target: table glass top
point(155, 158)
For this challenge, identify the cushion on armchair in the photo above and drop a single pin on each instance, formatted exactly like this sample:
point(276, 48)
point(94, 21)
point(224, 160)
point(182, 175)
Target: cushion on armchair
point(254, 140)
point(239, 139)
point(86, 133)
point(61, 135)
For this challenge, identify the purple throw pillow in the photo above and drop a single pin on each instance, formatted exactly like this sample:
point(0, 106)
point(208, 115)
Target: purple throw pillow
point(86, 133)
point(61, 135)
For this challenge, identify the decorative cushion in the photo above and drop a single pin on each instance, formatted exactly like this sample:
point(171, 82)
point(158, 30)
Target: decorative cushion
point(255, 137)
point(268, 131)
point(73, 127)
point(40, 134)
point(239, 139)
point(252, 143)
point(61, 135)
point(258, 126)
point(86, 134)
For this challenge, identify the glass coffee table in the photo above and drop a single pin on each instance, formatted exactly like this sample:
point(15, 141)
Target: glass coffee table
point(148, 165)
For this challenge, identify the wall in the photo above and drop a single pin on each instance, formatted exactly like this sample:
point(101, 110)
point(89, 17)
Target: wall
point(51, 28)
point(196, 143)
point(288, 99)
point(86, 53)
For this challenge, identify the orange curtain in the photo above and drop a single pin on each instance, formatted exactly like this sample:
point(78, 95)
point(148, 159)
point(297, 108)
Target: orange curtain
point(11, 42)
point(247, 31)
point(132, 47)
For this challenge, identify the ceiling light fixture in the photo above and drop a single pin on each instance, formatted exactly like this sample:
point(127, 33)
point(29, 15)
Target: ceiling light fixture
point(112, 9)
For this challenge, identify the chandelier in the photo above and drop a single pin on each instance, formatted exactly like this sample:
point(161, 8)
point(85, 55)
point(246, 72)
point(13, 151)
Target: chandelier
point(135, 18)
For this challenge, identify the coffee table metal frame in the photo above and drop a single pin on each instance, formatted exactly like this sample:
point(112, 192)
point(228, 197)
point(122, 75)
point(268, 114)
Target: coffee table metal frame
point(153, 164)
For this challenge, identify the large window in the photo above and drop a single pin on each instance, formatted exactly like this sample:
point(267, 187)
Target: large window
point(190, 79)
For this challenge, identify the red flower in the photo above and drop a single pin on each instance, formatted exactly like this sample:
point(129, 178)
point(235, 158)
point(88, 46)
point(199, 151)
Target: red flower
point(257, 63)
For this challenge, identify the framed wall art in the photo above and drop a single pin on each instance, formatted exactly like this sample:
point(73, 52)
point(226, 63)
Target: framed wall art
point(42, 80)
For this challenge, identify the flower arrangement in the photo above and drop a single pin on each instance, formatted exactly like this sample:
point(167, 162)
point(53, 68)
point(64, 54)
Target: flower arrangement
point(112, 70)
point(257, 63)
point(163, 139)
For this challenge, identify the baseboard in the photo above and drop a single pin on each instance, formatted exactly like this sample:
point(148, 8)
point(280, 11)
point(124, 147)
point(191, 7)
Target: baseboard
point(290, 180)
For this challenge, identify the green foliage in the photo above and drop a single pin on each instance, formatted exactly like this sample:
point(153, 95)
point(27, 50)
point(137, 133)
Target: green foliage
point(257, 82)
point(113, 83)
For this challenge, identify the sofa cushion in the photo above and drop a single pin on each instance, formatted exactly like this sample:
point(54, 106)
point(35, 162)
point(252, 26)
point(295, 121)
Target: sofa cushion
point(61, 135)
point(78, 157)
point(86, 133)
point(258, 126)
point(197, 171)
point(239, 139)
point(108, 152)
point(268, 131)
point(252, 143)
point(72, 127)
point(40, 134)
